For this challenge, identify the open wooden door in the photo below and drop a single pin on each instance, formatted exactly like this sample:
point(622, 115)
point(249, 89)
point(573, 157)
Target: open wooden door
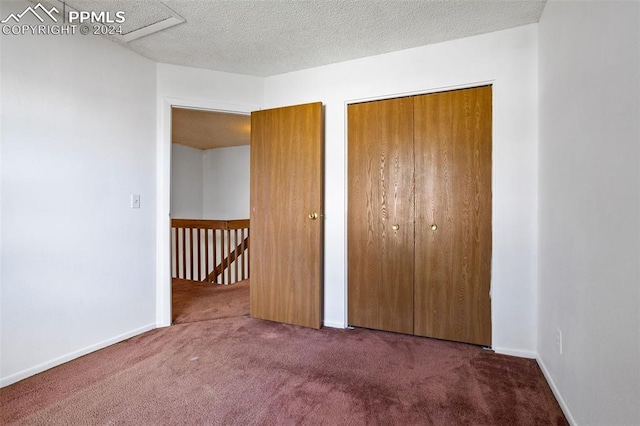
point(287, 147)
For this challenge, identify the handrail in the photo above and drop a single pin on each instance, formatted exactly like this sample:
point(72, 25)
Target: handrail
point(210, 224)
point(199, 245)
point(227, 261)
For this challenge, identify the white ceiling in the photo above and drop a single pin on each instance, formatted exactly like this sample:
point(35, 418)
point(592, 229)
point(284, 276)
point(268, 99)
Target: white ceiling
point(269, 37)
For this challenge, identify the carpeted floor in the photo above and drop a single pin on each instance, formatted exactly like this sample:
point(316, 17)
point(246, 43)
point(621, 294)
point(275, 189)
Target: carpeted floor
point(195, 301)
point(239, 370)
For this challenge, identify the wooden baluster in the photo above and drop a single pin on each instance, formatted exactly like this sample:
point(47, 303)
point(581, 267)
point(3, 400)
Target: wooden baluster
point(215, 252)
point(245, 256)
point(177, 252)
point(223, 255)
point(218, 238)
point(187, 257)
point(222, 245)
point(228, 252)
point(232, 264)
point(206, 253)
point(248, 253)
point(235, 244)
point(194, 232)
point(184, 253)
point(198, 259)
point(242, 254)
point(194, 252)
point(174, 251)
point(190, 255)
point(243, 266)
point(202, 265)
point(245, 253)
point(222, 234)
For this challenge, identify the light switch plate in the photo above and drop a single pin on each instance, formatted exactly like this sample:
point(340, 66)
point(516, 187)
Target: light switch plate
point(135, 201)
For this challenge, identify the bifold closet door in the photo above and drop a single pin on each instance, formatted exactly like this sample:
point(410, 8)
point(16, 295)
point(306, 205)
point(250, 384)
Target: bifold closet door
point(287, 146)
point(381, 215)
point(452, 140)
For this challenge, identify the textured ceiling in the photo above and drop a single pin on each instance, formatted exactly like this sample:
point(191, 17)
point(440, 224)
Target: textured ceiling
point(138, 14)
point(208, 129)
point(268, 37)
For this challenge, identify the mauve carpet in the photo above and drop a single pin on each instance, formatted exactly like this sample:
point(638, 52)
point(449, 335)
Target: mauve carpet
point(195, 301)
point(239, 370)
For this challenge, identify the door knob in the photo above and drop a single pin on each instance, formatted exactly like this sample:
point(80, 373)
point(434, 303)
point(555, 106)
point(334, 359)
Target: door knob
point(434, 227)
point(395, 227)
point(313, 216)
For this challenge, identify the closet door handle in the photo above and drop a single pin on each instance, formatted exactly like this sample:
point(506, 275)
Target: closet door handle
point(434, 227)
point(313, 216)
point(395, 227)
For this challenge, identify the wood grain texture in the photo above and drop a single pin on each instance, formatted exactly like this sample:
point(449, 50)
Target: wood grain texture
point(453, 181)
point(363, 218)
point(286, 186)
point(417, 162)
point(209, 129)
point(380, 184)
point(210, 224)
point(434, 183)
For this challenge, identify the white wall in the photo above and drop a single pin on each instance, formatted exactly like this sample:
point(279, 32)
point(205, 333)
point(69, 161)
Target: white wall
point(210, 184)
point(189, 87)
point(589, 219)
point(226, 183)
point(509, 60)
point(78, 137)
point(186, 182)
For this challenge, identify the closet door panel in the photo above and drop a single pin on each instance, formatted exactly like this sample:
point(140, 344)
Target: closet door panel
point(381, 215)
point(396, 193)
point(453, 274)
point(363, 218)
point(472, 244)
point(435, 174)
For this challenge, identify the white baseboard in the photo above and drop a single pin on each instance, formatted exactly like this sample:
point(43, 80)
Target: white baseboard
point(333, 324)
point(556, 392)
point(515, 352)
point(16, 377)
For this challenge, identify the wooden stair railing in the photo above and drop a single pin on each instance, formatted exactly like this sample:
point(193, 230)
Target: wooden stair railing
point(202, 250)
point(227, 261)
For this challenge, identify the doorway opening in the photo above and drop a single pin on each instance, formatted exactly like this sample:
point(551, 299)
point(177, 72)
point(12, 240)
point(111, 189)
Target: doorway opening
point(203, 210)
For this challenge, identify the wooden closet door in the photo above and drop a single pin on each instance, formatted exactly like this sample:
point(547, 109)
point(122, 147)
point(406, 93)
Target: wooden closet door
point(453, 195)
point(381, 215)
point(286, 214)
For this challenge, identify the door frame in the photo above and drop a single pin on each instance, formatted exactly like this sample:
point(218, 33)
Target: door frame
point(163, 192)
point(439, 89)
